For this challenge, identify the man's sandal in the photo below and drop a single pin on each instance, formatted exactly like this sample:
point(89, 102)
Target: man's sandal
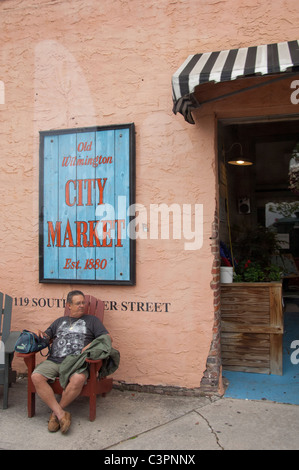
point(53, 424)
point(65, 422)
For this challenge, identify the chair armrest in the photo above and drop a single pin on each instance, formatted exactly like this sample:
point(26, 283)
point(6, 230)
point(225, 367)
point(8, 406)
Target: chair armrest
point(94, 366)
point(10, 342)
point(29, 360)
point(26, 355)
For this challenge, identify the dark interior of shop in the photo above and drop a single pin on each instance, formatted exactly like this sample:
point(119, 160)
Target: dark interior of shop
point(258, 198)
point(259, 195)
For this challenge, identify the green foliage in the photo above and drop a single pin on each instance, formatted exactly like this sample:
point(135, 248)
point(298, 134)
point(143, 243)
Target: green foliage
point(253, 272)
point(253, 254)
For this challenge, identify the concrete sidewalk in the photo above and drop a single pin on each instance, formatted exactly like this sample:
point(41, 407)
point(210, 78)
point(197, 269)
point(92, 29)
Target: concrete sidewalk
point(142, 421)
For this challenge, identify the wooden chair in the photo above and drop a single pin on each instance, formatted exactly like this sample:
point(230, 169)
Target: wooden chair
point(8, 339)
point(93, 387)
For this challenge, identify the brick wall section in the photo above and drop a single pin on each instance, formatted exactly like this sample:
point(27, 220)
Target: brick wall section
point(212, 380)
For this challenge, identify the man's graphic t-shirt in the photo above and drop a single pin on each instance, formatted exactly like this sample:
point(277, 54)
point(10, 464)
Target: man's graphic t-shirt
point(70, 335)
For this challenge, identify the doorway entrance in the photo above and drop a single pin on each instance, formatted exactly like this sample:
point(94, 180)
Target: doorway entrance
point(256, 199)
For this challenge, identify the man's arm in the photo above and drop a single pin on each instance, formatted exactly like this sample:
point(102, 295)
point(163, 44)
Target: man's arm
point(85, 347)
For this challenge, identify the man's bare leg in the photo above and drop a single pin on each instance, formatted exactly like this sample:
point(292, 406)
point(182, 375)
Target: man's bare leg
point(72, 390)
point(46, 393)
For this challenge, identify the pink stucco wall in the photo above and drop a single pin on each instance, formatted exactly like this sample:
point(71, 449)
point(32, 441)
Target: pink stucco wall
point(71, 64)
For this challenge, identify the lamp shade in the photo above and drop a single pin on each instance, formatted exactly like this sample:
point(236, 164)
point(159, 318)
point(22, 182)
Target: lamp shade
point(238, 158)
point(241, 161)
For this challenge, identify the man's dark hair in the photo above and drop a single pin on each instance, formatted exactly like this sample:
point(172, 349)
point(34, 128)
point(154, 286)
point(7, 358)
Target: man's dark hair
point(71, 294)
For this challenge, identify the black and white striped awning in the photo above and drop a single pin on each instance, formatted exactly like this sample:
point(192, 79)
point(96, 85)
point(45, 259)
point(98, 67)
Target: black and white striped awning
point(228, 65)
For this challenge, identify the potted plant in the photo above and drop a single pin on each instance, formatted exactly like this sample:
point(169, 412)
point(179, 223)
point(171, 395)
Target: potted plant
point(253, 254)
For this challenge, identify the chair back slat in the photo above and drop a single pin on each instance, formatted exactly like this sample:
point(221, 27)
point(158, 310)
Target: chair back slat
point(92, 305)
point(99, 310)
point(6, 316)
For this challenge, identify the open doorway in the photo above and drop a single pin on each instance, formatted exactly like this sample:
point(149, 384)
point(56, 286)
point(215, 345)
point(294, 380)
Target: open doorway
point(257, 198)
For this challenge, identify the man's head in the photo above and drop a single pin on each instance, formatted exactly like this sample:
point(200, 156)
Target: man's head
point(76, 303)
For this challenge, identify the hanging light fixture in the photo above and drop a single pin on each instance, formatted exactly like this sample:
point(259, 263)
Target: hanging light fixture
point(239, 159)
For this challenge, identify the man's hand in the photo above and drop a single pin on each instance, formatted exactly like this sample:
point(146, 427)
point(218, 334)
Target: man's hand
point(42, 334)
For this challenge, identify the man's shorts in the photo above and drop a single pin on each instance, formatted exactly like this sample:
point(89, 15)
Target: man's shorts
point(50, 370)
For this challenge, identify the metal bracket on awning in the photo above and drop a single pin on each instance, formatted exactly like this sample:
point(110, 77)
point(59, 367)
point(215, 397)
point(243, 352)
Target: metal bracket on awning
point(252, 87)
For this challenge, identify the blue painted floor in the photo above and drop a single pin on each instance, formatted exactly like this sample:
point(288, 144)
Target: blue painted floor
point(282, 389)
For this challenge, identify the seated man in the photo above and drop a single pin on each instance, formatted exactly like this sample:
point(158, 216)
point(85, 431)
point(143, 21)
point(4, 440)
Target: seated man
point(71, 335)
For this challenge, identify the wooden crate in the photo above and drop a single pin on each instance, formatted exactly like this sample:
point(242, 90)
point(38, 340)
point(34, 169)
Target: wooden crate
point(252, 327)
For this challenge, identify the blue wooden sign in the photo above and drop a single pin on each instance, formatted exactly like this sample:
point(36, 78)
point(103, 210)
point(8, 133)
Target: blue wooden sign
point(87, 184)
